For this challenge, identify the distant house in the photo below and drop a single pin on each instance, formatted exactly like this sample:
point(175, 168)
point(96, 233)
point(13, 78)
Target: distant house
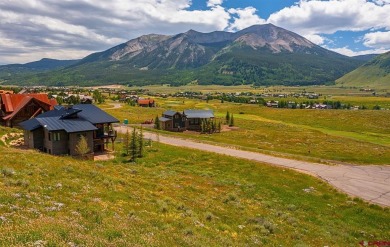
point(16, 108)
point(146, 102)
point(187, 120)
point(58, 131)
point(173, 121)
point(195, 118)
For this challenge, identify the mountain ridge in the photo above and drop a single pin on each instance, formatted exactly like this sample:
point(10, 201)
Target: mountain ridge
point(260, 54)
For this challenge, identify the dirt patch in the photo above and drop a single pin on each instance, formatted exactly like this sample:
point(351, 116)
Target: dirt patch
point(13, 139)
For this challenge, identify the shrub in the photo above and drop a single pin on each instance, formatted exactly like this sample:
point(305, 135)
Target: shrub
point(7, 172)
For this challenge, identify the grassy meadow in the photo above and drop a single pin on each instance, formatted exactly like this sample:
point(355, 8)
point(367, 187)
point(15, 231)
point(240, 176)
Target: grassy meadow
point(174, 197)
point(359, 137)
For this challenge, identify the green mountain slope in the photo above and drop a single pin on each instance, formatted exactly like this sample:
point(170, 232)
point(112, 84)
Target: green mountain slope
point(375, 73)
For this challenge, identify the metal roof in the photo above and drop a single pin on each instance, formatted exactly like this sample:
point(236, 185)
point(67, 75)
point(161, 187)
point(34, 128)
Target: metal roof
point(68, 125)
point(94, 114)
point(199, 113)
point(31, 124)
point(164, 119)
point(61, 119)
point(169, 113)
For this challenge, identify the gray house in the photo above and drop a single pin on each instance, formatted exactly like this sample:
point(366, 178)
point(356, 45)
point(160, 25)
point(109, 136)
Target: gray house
point(186, 120)
point(58, 131)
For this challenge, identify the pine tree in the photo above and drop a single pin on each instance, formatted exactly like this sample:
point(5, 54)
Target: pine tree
point(231, 121)
point(227, 117)
point(219, 127)
point(141, 143)
point(133, 145)
point(157, 123)
point(126, 141)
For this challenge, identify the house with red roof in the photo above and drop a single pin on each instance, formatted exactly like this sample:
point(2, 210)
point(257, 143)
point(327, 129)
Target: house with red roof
point(16, 108)
point(146, 102)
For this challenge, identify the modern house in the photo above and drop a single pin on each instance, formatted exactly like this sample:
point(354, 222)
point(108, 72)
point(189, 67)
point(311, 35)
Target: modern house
point(186, 120)
point(16, 108)
point(173, 121)
point(58, 131)
point(195, 118)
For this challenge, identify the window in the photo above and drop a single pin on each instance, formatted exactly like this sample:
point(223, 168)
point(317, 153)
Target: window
point(49, 136)
point(56, 136)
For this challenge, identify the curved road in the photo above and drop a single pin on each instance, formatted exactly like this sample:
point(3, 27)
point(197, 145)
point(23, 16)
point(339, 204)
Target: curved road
point(371, 183)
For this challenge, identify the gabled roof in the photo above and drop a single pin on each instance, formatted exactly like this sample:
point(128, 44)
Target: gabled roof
point(170, 113)
point(164, 119)
point(25, 101)
point(12, 101)
point(199, 113)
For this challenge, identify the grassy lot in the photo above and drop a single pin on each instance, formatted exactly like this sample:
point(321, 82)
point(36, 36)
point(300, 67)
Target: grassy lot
point(361, 137)
point(174, 197)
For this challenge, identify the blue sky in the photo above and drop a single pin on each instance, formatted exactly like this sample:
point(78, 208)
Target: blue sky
point(72, 29)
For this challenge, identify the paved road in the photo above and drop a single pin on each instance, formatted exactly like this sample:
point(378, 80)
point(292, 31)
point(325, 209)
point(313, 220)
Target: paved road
point(371, 183)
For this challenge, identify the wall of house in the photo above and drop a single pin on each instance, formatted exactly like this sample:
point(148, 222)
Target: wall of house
point(28, 139)
point(37, 137)
point(61, 146)
point(74, 139)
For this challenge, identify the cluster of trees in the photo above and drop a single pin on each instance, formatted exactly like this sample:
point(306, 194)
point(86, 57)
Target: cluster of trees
point(210, 126)
point(133, 144)
point(98, 97)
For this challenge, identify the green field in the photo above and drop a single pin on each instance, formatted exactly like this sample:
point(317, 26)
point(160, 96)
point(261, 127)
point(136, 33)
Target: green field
point(174, 197)
point(361, 137)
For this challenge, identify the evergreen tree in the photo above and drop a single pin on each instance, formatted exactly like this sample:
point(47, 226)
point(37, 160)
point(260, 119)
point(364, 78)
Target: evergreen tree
point(157, 123)
point(227, 117)
point(231, 121)
point(126, 142)
point(219, 127)
point(141, 143)
point(133, 145)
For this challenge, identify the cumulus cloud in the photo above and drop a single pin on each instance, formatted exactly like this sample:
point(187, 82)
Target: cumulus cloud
point(349, 52)
point(57, 27)
point(377, 40)
point(316, 39)
point(212, 3)
point(244, 18)
point(314, 16)
point(32, 29)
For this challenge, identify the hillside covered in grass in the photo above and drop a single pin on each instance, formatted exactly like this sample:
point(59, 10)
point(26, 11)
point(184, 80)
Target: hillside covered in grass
point(373, 74)
point(174, 197)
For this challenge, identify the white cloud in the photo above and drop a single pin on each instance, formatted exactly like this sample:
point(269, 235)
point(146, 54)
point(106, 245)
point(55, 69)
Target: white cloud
point(212, 3)
point(316, 39)
point(315, 17)
point(245, 18)
point(348, 52)
point(93, 25)
point(377, 40)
